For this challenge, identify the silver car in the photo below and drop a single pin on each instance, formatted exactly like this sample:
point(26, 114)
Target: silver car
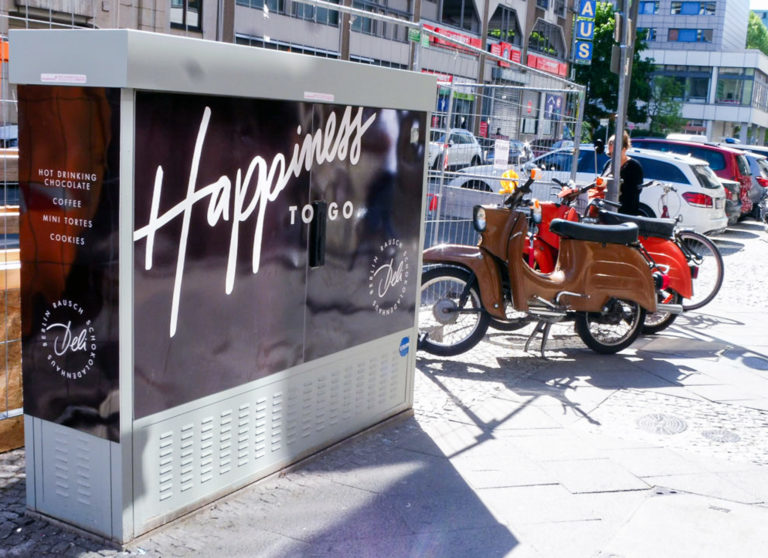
point(454, 149)
point(758, 164)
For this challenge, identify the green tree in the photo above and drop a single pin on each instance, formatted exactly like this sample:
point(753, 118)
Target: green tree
point(665, 106)
point(757, 34)
point(603, 85)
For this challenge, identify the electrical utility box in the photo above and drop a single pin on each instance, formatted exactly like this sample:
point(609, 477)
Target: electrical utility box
point(220, 252)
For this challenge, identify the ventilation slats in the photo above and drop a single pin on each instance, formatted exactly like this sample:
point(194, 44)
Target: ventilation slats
point(255, 431)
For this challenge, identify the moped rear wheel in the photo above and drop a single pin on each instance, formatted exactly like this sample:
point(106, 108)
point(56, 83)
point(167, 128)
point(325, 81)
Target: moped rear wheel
point(451, 315)
point(660, 320)
point(705, 256)
point(613, 330)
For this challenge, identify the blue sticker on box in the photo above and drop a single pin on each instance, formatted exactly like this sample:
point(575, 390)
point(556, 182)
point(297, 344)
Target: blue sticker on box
point(405, 345)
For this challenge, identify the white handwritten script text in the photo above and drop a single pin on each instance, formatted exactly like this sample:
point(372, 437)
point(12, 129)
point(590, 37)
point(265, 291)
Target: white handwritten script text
point(261, 184)
point(388, 276)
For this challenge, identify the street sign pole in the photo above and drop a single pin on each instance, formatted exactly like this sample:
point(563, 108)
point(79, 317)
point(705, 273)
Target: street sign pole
point(626, 35)
point(582, 45)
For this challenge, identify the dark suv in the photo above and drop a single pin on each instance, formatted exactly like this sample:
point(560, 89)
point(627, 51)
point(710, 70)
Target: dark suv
point(727, 162)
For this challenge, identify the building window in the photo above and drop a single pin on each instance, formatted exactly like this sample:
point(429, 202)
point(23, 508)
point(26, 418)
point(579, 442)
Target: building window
point(315, 13)
point(648, 8)
point(543, 4)
point(734, 86)
point(693, 8)
point(273, 6)
point(461, 14)
point(379, 28)
point(694, 81)
point(696, 89)
point(690, 35)
point(760, 93)
point(647, 33)
point(504, 26)
point(271, 44)
point(560, 8)
point(547, 39)
point(186, 14)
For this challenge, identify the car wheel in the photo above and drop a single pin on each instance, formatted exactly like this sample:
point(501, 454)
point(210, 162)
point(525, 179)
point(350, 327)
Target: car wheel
point(475, 161)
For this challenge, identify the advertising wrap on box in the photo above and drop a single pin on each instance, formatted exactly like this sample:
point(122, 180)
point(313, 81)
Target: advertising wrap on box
point(267, 234)
point(68, 175)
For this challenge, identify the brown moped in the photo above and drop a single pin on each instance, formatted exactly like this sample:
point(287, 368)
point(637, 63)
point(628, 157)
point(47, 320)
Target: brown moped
point(602, 280)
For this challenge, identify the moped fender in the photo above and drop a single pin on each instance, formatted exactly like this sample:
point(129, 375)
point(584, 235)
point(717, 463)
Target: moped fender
point(478, 262)
point(667, 254)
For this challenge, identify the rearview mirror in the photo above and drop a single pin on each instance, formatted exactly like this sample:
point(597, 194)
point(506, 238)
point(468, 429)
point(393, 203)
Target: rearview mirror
point(599, 146)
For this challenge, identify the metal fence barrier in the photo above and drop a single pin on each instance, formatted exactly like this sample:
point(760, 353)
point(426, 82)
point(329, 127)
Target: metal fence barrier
point(492, 113)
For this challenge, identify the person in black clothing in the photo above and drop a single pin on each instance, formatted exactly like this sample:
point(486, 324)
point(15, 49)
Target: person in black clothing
point(631, 177)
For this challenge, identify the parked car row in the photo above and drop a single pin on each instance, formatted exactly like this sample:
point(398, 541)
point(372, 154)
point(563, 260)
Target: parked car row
point(457, 148)
point(712, 185)
point(698, 197)
point(727, 162)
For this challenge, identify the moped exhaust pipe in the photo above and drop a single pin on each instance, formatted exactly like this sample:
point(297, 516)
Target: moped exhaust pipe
point(671, 308)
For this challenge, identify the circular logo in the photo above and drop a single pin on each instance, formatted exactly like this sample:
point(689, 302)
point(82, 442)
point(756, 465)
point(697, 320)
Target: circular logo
point(68, 339)
point(388, 277)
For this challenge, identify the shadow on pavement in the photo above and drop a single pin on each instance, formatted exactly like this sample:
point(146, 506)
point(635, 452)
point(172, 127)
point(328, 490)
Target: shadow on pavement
point(414, 502)
point(388, 492)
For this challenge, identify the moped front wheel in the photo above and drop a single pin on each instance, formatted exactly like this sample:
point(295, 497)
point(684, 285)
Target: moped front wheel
point(451, 315)
point(612, 330)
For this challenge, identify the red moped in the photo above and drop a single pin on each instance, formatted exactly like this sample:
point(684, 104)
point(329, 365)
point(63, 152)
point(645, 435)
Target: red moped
point(677, 254)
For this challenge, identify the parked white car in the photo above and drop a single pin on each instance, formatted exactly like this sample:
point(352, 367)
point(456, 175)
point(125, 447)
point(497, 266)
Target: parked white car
point(698, 197)
point(453, 150)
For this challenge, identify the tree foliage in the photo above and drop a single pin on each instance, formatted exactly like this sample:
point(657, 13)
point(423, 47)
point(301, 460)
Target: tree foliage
point(665, 106)
point(603, 85)
point(757, 34)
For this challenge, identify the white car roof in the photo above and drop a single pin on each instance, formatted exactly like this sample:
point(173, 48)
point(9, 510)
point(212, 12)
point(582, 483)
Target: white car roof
point(666, 156)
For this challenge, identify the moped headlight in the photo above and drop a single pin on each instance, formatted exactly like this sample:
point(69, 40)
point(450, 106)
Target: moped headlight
point(479, 219)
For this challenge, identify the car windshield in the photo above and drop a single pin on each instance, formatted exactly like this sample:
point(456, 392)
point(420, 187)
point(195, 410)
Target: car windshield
point(762, 164)
point(557, 161)
point(707, 178)
point(743, 165)
point(437, 135)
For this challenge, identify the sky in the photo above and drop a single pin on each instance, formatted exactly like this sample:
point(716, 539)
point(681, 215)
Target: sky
point(758, 4)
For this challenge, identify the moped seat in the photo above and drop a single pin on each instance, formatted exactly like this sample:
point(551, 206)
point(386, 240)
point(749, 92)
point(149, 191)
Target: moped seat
point(622, 233)
point(659, 228)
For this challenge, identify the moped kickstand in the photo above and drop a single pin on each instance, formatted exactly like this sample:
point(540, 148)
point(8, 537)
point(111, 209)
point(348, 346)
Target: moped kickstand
point(544, 325)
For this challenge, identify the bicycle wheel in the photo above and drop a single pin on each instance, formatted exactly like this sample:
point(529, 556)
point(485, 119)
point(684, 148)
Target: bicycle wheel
point(707, 270)
point(661, 320)
point(515, 320)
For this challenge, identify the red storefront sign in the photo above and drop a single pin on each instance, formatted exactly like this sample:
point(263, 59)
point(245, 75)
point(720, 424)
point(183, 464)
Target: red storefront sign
point(458, 39)
point(548, 65)
point(506, 50)
point(441, 78)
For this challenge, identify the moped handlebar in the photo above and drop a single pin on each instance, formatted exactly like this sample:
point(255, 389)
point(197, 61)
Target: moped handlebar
point(515, 197)
point(600, 202)
point(569, 191)
point(666, 186)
